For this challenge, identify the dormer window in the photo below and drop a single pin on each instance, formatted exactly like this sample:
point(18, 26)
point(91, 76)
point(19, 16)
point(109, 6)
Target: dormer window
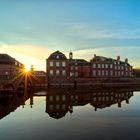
point(16, 63)
point(57, 57)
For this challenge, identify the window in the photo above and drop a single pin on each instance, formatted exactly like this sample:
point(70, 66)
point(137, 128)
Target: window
point(118, 73)
point(63, 98)
point(51, 107)
point(71, 67)
point(102, 65)
point(6, 73)
point(57, 106)
point(122, 67)
point(57, 98)
point(115, 67)
point(115, 73)
point(64, 72)
point(103, 73)
point(76, 68)
point(51, 72)
point(51, 64)
point(106, 66)
point(111, 73)
point(57, 57)
point(94, 72)
point(71, 74)
point(16, 63)
point(63, 64)
point(63, 106)
point(76, 74)
point(130, 74)
point(111, 66)
point(119, 67)
point(94, 65)
point(51, 98)
point(57, 64)
point(57, 72)
point(99, 73)
point(106, 72)
point(99, 66)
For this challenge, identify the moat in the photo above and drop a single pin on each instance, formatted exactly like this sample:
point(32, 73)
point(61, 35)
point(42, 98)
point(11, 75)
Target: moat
point(71, 114)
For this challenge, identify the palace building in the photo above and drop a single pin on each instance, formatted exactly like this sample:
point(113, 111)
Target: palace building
point(62, 70)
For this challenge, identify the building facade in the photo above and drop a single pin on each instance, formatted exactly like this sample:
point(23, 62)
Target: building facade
point(40, 77)
point(108, 67)
point(61, 70)
point(9, 68)
point(57, 68)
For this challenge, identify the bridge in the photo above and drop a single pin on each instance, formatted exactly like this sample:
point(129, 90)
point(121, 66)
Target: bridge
point(21, 82)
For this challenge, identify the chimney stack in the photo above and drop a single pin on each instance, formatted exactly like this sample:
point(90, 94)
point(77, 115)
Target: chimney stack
point(118, 58)
point(70, 55)
point(126, 60)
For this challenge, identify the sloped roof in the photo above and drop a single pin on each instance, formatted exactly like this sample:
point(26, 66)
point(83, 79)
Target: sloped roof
point(57, 55)
point(6, 59)
point(102, 58)
point(79, 62)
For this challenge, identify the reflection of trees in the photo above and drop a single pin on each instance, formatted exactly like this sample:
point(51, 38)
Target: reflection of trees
point(9, 102)
point(60, 101)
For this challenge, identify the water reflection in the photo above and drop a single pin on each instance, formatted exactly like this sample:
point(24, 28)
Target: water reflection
point(60, 101)
point(10, 101)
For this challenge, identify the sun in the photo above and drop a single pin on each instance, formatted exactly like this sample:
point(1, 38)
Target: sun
point(27, 69)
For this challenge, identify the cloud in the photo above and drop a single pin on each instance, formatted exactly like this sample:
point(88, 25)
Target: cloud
point(103, 31)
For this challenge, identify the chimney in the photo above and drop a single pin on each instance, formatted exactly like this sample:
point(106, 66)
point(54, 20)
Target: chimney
point(126, 60)
point(94, 55)
point(70, 55)
point(118, 58)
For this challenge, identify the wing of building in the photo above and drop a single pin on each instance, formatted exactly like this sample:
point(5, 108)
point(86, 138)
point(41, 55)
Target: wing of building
point(62, 70)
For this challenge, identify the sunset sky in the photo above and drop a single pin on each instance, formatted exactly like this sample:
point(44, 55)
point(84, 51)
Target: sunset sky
point(32, 29)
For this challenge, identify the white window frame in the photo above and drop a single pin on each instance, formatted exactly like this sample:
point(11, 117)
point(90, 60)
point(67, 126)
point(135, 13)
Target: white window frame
point(51, 63)
point(57, 72)
point(63, 72)
point(57, 64)
point(51, 73)
point(63, 64)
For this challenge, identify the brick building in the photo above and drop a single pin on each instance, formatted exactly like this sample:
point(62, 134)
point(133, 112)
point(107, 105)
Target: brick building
point(9, 68)
point(57, 67)
point(61, 70)
point(108, 67)
point(40, 76)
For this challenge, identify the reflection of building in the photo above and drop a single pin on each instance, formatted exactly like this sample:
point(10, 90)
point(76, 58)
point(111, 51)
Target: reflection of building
point(106, 99)
point(57, 105)
point(61, 70)
point(59, 102)
point(9, 67)
point(9, 102)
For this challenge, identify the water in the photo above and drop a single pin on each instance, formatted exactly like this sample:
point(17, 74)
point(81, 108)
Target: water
point(71, 114)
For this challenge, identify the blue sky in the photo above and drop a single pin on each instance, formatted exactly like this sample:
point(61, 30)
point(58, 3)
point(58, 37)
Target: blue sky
point(31, 29)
